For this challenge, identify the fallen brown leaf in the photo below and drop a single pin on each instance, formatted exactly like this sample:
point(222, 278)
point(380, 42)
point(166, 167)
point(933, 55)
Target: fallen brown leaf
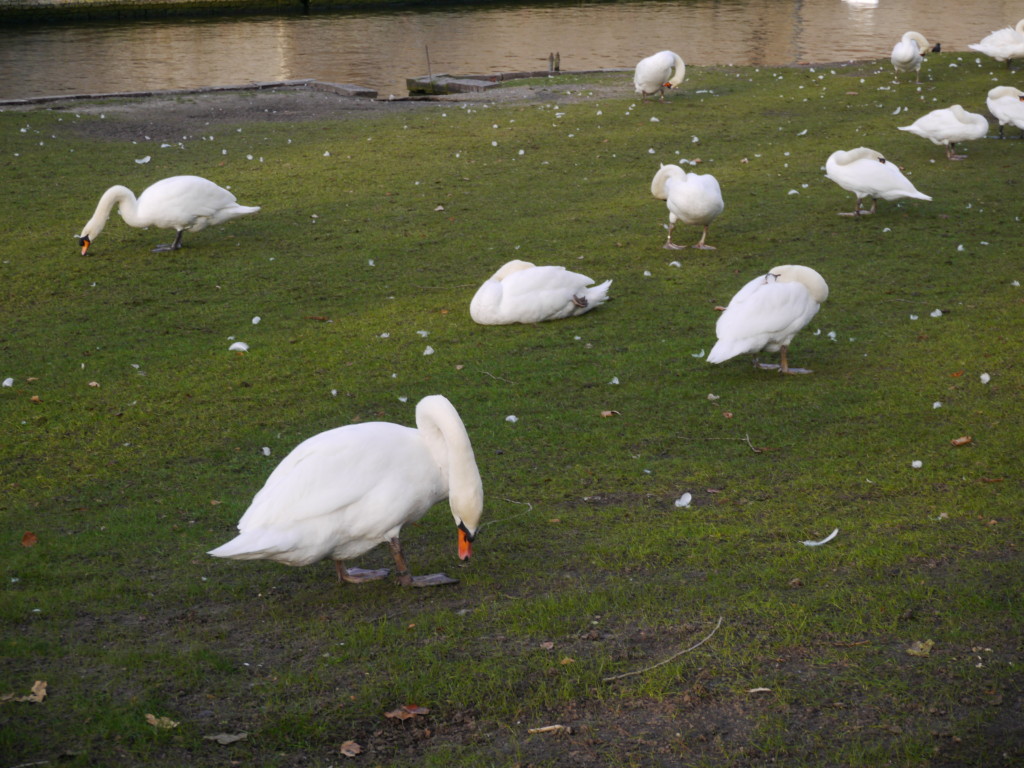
point(567, 660)
point(965, 440)
point(606, 414)
point(921, 648)
point(36, 697)
point(406, 711)
point(350, 749)
point(227, 738)
point(29, 539)
point(727, 414)
point(36, 399)
point(161, 722)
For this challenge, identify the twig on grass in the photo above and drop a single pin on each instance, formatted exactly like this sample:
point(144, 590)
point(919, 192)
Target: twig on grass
point(744, 439)
point(665, 661)
point(497, 378)
point(513, 517)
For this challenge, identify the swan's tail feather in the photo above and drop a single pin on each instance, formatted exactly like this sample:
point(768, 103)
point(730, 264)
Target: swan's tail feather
point(598, 294)
point(723, 351)
point(255, 544)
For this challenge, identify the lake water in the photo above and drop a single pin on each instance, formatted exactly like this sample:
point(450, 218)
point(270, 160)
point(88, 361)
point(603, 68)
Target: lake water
point(381, 49)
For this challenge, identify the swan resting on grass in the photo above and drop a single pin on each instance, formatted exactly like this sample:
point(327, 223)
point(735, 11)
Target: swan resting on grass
point(692, 198)
point(657, 72)
point(183, 203)
point(1006, 104)
point(867, 173)
point(767, 313)
point(344, 491)
point(945, 127)
point(521, 292)
point(1004, 44)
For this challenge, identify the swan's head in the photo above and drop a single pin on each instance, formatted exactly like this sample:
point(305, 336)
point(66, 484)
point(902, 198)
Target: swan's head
point(467, 519)
point(85, 241)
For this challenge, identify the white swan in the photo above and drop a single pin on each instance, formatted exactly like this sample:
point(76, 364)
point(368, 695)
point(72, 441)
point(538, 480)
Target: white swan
point(1006, 104)
point(908, 54)
point(654, 74)
point(767, 313)
point(867, 173)
point(521, 292)
point(344, 491)
point(948, 126)
point(692, 198)
point(1004, 44)
point(184, 203)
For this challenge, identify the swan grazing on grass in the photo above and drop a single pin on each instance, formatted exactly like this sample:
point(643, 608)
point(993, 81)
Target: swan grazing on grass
point(344, 491)
point(867, 173)
point(945, 127)
point(1006, 104)
point(908, 54)
point(692, 198)
point(654, 74)
point(184, 203)
point(767, 313)
point(1004, 44)
point(521, 292)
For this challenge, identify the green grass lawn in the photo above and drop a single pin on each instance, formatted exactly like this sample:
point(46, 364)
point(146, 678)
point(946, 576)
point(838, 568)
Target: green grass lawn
point(134, 439)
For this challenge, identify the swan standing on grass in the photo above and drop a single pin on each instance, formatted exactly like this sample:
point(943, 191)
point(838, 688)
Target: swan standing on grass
point(948, 126)
point(1006, 104)
point(184, 203)
point(1004, 44)
point(692, 198)
point(908, 54)
point(344, 491)
point(654, 74)
point(521, 292)
point(767, 313)
point(867, 173)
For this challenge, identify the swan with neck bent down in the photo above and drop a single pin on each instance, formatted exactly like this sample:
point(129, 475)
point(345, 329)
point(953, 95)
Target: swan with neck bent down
point(1006, 103)
point(767, 313)
point(908, 54)
point(692, 198)
point(664, 69)
point(182, 203)
point(344, 491)
point(945, 127)
point(867, 173)
point(1004, 44)
point(521, 292)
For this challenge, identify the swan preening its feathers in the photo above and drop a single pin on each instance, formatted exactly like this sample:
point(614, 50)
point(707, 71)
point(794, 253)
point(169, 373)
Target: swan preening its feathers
point(767, 313)
point(182, 203)
point(344, 491)
point(867, 173)
point(945, 127)
point(909, 52)
point(692, 198)
point(1004, 44)
point(654, 74)
point(521, 292)
point(1006, 104)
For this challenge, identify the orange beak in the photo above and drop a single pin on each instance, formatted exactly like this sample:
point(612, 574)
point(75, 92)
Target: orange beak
point(85, 242)
point(465, 546)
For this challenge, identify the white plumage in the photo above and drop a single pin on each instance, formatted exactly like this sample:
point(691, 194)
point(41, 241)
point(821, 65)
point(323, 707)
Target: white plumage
point(657, 72)
point(692, 198)
point(344, 491)
point(945, 127)
point(182, 203)
point(521, 292)
point(867, 173)
point(1004, 44)
point(908, 54)
point(1006, 104)
point(767, 313)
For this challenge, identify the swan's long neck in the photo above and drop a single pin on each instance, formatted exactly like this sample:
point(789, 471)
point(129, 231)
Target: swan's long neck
point(448, 442)
point(679, 73)
point(120, 196)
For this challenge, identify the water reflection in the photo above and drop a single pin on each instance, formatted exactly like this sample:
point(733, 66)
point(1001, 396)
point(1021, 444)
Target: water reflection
point(380, 50)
